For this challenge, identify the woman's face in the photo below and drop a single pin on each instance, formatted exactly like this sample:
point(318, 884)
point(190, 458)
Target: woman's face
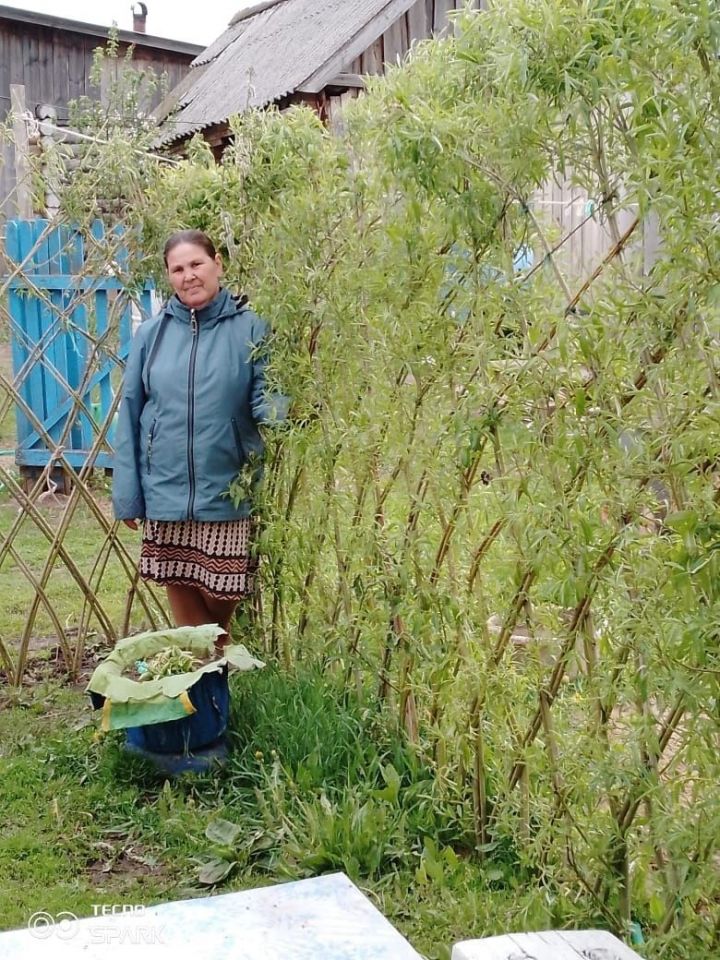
point(194, 276)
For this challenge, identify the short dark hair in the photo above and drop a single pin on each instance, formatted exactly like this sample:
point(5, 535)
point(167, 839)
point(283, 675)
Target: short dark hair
point(195, 237)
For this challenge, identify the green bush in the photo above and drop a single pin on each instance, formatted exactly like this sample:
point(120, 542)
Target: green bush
point(496, 515)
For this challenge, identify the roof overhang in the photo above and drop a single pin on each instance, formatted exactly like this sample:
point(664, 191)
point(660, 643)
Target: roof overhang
point(366, 36)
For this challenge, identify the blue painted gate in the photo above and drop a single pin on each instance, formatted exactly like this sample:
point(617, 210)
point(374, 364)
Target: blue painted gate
point(58, 313)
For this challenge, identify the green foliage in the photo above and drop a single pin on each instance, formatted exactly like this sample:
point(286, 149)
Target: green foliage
point(84, 824)
point(244, 486)
point(168, 662)
point(115, 155)
point(501, 521)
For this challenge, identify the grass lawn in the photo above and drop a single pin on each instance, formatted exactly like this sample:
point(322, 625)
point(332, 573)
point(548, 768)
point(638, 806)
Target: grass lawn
point(85, 543)
point(82, 542)
point(314, 784)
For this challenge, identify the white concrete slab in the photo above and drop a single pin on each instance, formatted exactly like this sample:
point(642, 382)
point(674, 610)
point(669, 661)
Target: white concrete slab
point(546, 945)
point(323, 917)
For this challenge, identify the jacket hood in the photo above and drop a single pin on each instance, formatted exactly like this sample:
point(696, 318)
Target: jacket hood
point(222, 306)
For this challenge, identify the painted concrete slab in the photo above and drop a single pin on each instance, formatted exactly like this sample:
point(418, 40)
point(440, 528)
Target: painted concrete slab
point(546, 945)
point(323, 918)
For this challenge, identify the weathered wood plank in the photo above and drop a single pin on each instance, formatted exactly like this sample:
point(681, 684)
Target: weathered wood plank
point(77, 71)
point(23, 193)
point(393, 40)
point(47, 92)
point(418, 21)
point(405, 33)
point(17, 58)
point(54, 64)
point(4, 75)
point(31, 68)
point(441, 22)
point(372, 58)
point(349, 80)
point(62, 62)
point(430, 14)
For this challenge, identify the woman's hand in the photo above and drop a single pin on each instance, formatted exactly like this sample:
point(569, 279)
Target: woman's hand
point(133, 524)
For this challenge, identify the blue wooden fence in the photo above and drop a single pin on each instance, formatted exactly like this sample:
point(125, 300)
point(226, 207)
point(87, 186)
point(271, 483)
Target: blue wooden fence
point(57, 312)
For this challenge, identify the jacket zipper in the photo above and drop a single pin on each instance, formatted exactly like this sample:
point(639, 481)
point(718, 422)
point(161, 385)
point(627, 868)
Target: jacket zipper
point(151, 434)
point(191, 413)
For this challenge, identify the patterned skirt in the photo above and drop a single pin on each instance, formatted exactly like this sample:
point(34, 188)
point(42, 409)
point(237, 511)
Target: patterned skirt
point(210, 554)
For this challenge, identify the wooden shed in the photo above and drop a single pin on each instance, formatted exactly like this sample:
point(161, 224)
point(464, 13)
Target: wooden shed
point(51, 58)
point(318, 52)
point(295, 51)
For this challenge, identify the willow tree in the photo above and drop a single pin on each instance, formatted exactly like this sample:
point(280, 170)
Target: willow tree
point(496, 509)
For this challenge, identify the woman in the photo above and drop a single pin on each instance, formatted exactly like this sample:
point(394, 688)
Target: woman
point(193, 397)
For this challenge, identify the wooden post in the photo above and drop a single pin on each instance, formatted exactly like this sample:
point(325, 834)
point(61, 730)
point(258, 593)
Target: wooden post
point(23, 192)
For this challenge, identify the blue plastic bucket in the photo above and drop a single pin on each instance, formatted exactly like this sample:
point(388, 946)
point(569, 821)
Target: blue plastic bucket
point(211, 698)
point(176, 764)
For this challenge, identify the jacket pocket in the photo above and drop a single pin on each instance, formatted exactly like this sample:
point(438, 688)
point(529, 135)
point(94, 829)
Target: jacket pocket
point(238, 442)
point(151, 434)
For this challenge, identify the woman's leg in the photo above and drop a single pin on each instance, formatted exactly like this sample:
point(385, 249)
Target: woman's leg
point(192, 608)
point(188, 605)
point(221, 611)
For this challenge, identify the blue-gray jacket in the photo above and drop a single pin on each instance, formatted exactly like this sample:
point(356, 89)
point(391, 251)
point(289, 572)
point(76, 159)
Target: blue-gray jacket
point(193, 395)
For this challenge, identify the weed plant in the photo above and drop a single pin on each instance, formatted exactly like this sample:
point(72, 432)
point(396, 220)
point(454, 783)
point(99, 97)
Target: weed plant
point(315, 783)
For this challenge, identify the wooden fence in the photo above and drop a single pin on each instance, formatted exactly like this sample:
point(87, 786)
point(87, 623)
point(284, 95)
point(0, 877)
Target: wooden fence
point(69, 332)
point(67, 308)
